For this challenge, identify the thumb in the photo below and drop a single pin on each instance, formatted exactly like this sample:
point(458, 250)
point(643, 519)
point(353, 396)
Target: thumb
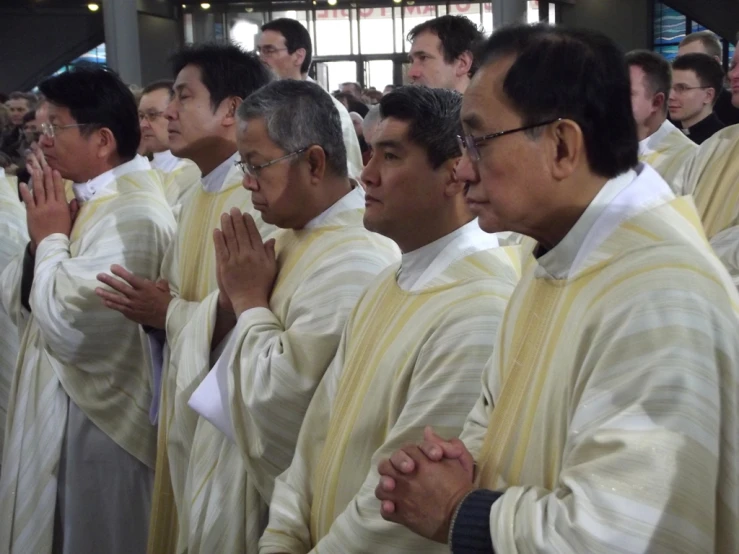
point(269, 247)
point(74, 208)
point(451, 449)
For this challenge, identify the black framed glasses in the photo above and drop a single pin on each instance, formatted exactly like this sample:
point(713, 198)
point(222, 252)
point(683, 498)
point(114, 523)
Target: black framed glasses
point(471, 144)
point(253, 170)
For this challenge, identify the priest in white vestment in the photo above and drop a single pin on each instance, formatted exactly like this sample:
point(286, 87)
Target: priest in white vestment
point(661, 144)
point(711, 175)
point(179, 175)
point(211, 81)
point(79, 457)
point(13, 239)
point(609, 414)
point(415, 345)
point(285, 302)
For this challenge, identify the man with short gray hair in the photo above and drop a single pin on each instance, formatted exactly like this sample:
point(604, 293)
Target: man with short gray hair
point(282, 304)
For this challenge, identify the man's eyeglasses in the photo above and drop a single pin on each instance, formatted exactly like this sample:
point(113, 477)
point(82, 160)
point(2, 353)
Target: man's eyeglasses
point(268, 50)
point(682, 89)
point(50, 129)
point(151, 117)
point(253, 170)
point(471, 144)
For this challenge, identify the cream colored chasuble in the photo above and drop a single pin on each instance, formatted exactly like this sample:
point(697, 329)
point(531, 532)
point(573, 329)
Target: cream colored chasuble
point(609, 413)
point(411, 355)
point(278, 358)
point(79, 444)
point(666, 150)
point(13, 239)
point(189, 267)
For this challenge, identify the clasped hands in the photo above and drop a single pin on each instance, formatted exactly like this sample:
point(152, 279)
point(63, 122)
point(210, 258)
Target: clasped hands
point(47, 210)
point(245, 272)
point(422, 485)
point(246, 267)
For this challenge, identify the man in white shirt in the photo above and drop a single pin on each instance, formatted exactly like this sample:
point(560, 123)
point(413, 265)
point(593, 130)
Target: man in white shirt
point(441, 53)
point(211, 82)
point(286, 47)
point(79, 458)
point(661, 144)
point(178, 174)
point(607, 420)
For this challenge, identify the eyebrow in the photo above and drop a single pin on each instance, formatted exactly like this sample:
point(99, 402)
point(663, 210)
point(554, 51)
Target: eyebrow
point(419, 53)
point(472, 121)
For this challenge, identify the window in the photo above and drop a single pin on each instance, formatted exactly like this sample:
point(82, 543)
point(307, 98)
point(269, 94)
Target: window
point(671, 27)
point(376, 30)
point(333, 33)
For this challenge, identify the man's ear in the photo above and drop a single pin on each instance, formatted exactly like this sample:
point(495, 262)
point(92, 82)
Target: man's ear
point(464, 64)
point(106, 142)
point(454, 186)
point(232, 104)
point(317, 163)
point(299, 57)
point(569, 147)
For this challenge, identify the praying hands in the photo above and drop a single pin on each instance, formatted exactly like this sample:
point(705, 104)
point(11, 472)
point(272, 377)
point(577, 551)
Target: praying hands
point(47, 210)
point(246, 267)
point(422, 485)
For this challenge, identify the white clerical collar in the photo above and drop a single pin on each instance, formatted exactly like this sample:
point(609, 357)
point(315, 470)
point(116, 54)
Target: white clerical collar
point(83, 192)
point(620, 199)
point(165, 161)
point(653, 141)
point(216, 179)
point(419, 267)
point(352, 200)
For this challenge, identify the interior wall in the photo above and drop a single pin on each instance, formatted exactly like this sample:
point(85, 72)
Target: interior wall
point(159, 38)
point(35, 44)
point(627, 22)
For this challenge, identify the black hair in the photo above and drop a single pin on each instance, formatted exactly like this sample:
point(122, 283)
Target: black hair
point(225, 69)
point(433, 117)
point(707, 69)
point(164, 84)
point(30, 116)
point(457, 35)
point(575, 74)
point(97, 98)
point(656, 70)
point(296, 37)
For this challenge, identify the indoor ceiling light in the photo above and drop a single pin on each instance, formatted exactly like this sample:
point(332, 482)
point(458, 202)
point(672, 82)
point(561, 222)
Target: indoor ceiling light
point(332, 2)
point(93, 7)
point(397, 1)
point(205, 6)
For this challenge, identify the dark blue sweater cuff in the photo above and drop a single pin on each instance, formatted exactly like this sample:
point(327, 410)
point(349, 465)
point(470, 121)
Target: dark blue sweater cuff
point(471, 528)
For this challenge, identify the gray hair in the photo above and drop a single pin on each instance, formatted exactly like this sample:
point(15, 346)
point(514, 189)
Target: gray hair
point(299, 114)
